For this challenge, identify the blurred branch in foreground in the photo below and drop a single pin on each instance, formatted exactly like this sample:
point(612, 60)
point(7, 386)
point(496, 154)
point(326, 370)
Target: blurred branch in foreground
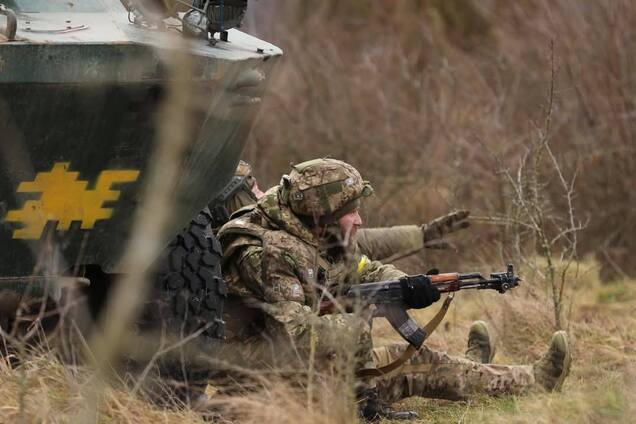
point(172, 139)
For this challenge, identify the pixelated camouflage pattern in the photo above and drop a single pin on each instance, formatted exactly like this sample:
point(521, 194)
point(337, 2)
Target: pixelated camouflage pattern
point(381, 244)
point(284, 332)
point(321, 187)
point(434, 374)
point(288, 255)
point(278, 216)
point(274, 263)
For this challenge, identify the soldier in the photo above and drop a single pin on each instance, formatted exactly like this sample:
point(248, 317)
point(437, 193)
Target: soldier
point(382, 244)
point(297, 246)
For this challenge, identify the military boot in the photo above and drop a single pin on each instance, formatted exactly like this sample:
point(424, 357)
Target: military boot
point(371, 409)
point(552, 368)
point(480, 346)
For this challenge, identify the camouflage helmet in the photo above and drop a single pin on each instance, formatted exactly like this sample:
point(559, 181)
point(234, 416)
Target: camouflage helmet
point(324, 190)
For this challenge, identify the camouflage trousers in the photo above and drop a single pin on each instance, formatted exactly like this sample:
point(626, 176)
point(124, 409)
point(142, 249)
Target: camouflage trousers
point(435, 374)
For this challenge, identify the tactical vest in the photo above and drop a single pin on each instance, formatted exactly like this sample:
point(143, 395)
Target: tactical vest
point(313, 270)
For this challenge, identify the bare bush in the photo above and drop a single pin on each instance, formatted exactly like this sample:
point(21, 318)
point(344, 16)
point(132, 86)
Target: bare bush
point(534, 221)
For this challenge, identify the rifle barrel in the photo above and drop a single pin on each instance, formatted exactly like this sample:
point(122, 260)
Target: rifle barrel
point(391, 291)
point(470, 276)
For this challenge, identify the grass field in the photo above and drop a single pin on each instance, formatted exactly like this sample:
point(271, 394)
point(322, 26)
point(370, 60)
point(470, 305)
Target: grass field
point(421, 96)
point(602, 330)
point(600, 388)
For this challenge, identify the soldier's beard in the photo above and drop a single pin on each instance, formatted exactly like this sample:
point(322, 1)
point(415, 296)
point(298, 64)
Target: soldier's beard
point(337, 241)
point(348, 236)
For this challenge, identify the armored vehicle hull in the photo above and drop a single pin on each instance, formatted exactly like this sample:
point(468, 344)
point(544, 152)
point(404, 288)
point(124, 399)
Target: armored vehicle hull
point(82, 90)
point(79, 94)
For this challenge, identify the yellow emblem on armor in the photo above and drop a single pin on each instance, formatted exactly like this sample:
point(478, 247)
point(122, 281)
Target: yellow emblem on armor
point(66, 199)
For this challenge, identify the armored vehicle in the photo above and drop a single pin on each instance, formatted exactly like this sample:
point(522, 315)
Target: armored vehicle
point(82, 83)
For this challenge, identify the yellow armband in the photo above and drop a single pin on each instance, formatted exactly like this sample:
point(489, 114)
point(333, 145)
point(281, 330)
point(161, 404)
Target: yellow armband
point(362, 263)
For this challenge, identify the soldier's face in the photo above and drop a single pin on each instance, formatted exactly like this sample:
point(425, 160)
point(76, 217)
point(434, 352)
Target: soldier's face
point(349, 225)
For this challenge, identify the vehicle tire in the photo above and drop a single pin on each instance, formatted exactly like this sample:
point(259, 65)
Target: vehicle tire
point(187, 302)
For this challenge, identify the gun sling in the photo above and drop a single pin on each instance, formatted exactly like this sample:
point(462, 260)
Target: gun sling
point(415, 336)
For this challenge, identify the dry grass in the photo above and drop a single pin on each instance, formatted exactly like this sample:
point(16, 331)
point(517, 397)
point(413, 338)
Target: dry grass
point(602, 327)
point(600, 388)
point(44, 390)
point(418, 95)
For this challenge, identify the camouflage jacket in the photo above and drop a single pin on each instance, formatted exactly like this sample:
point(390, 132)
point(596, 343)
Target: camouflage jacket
point(381, 244)
point(276, 273)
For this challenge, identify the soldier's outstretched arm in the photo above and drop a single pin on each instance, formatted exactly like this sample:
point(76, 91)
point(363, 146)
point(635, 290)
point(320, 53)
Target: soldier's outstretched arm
point(390, 243)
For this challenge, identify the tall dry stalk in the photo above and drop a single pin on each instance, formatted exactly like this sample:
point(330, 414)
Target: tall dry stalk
point(174, 122)
point(552, 232)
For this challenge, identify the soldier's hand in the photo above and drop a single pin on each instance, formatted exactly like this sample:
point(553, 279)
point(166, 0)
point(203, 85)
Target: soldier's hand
point(439, 227)
point(418, 292)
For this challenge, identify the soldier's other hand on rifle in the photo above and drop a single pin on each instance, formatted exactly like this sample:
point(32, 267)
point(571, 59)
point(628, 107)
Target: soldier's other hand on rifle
point(435, 231)
point(418, 292)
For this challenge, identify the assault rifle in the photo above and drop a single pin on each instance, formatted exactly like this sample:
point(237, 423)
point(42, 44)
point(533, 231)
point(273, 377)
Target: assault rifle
point(388, 298)
point(391, 291)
